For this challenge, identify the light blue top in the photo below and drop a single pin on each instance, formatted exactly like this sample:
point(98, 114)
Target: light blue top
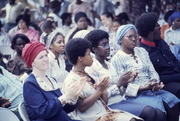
point(11, 88)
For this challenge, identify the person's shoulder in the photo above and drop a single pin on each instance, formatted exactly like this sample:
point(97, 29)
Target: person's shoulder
point(71, 77)
point(32, 29)
point(140, 49)
point(90, 28)
point(117, 56)
point(20, 5)
point(120, 52)
point(168, 30)
point(85, 3)
point(30, 79)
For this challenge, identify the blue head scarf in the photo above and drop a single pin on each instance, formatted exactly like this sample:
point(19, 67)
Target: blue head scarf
point(174, 16)
point(122, 30)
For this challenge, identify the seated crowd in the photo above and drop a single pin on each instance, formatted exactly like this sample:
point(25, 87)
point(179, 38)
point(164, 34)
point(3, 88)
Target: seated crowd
point(95, 67)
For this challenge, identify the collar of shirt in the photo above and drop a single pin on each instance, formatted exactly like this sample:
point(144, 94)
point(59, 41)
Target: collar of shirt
point(152, 44)
point(53, 57)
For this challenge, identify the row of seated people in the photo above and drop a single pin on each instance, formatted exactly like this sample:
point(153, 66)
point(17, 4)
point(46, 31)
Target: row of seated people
point(104, 82)
point(49, 27)
point(81, 21)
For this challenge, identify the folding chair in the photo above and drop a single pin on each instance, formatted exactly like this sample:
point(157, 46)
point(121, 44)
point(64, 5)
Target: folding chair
point(22, 112)
point(7, 115)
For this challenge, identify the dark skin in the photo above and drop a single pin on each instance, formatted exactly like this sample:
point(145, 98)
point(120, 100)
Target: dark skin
point(95, 15)
point(102, 53)
point(78, 2)
point(171, 113)
point(19, 46)
point(128, 46)
point(20, 43)
point(85, 104)
point(4, 102)
point(11, 2)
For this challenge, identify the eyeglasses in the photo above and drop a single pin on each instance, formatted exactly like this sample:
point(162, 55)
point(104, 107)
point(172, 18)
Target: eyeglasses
point(132, 36)
point(104, 45)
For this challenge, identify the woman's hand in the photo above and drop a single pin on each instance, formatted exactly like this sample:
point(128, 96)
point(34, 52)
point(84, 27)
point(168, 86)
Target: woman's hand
point(158, 87)
point(102, 86)
point(152, 84)
point(74, 89)
point(4, 102)
point(126, 78)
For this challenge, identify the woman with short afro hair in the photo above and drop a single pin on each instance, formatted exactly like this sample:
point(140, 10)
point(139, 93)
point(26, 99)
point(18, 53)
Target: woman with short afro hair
point(91, 102)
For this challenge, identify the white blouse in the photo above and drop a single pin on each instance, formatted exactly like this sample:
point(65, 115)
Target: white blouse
point(57, 71)
point(97, 72)
point(97, 109)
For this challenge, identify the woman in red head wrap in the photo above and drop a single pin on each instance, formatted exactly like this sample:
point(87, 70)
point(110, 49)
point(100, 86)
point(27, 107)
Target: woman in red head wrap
point(43, 98)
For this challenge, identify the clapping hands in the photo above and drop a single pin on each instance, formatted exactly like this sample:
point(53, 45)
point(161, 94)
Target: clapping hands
point(102, 86)
point(74, 89)
point(155, 86)
point(126, 78)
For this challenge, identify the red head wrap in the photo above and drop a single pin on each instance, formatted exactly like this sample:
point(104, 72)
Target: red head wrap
point(30, 51)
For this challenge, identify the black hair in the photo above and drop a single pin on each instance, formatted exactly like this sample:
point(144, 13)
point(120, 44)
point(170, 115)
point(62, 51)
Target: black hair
point(55, 36)
point(55, 6)
point(108, 14)
point(1, 25)
point(96, 36)
point(79, 15)
point(118, 21)
point(168, 14)
point(64, 16)
point(89, 21)
point(75, 48)
point(123, 18)
point(14, 39)
point(47, 25)
point(146, 23)
point(24, 17)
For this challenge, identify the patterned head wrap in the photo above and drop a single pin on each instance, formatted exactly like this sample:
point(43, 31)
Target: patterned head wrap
point(122, 30)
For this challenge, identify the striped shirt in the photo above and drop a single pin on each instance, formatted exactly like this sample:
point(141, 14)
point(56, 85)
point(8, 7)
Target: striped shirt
point(123, 62)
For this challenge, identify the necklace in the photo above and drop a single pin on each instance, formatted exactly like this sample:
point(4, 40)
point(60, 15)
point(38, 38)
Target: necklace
point(83, 73)
point(50, 82)
point(135, 58)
